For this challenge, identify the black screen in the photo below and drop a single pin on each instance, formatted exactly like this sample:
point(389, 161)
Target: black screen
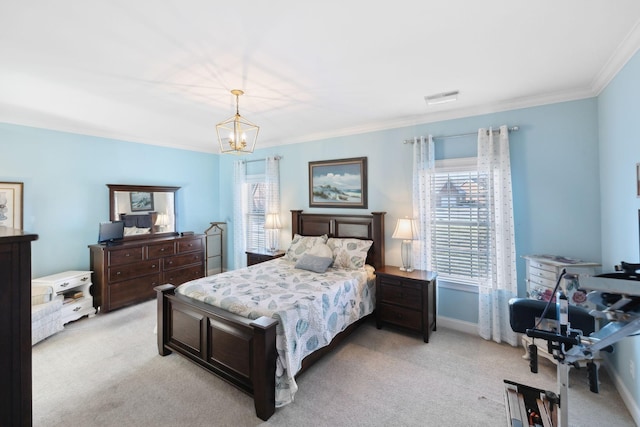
point(111, 231)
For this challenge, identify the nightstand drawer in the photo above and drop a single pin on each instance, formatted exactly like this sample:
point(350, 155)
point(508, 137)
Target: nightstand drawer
point(400, 316)
point(400, 295)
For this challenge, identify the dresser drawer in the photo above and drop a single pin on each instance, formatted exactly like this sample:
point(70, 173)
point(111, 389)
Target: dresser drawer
point(76, 309)
point(132, 291)
point(544, 274)
point(126, 255)
point(182, 275)
point(400, 295)
point(189, 245)
point(540, 281)
point(178, 261)
point(61, 282)
point(400, 316)
point(161, 250)
point(125, 272)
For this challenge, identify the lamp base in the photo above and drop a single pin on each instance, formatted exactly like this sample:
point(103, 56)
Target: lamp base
point(407, 256)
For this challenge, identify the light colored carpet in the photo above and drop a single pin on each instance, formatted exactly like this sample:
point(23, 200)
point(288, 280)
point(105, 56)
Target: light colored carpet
point(105, 371)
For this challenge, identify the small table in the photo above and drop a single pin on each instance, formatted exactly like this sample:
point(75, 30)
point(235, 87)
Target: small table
point(256, 256)
point(406, 299)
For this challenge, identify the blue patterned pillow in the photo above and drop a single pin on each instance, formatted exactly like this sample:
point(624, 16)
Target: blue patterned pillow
point(301, 244)
point(317, 264)
point(349, 253)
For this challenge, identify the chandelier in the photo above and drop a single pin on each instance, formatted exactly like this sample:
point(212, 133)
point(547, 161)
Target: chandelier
point(237, 134)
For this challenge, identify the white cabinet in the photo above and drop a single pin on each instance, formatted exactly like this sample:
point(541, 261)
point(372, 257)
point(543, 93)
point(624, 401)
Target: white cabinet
point(542, 274)
point(73, 287)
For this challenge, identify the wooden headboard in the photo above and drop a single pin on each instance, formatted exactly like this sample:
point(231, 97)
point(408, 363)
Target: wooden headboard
point(369, 227)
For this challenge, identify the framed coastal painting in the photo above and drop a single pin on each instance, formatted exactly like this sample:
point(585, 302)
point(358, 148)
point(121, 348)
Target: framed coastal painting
point(141, 201)
point(338, 183)
point(11, 204)
point(638, 178)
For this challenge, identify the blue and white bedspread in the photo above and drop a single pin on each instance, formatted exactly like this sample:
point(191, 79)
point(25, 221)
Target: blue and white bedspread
point(311, 308)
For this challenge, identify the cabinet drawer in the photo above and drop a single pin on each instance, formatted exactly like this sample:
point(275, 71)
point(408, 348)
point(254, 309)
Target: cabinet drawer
point(126, 256)
point(164, 249)
point(540, 281)
point(76, 309)
point(182, 275)
point(542, 266)
point(400, 316)
point(132, 291)
point(125, 272)
point(189, 245)
point(544, 274)
point(61, 284)
point(401, 295)
point(178, 261)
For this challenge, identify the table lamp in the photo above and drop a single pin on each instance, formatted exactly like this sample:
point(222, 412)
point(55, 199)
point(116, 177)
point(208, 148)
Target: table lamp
point(272, 225)
point(407, 231)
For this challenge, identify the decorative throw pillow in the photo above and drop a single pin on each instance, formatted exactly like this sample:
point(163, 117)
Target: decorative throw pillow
point(314, 263)
point(301, 244)
point(349, 253)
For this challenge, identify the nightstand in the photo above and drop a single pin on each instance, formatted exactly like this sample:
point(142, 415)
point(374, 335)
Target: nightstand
point(406, 299)
point(256, 256)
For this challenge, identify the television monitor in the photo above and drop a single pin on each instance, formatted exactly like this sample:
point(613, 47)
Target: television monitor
point(111, 232)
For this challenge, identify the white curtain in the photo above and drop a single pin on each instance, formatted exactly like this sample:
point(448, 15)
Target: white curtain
point(272, 180)
point(272, 196)
point(501, 283)
point(239, 214)
point(423, 169)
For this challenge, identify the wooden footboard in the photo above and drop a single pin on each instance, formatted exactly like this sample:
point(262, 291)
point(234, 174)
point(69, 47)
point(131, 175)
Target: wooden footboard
point(239, 350)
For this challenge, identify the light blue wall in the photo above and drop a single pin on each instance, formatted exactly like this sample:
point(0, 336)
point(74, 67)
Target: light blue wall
point(555, 181)
point(65, 193)
point(618, 112)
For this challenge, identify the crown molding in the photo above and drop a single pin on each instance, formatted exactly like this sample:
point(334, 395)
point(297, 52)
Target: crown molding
point(618, 59)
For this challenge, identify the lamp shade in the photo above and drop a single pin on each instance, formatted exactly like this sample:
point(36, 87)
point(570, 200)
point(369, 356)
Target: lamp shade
point(405, 229)
point(272, 222)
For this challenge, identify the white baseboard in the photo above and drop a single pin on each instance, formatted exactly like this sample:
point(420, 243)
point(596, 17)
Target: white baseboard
point(627, 398)
point(457, 325)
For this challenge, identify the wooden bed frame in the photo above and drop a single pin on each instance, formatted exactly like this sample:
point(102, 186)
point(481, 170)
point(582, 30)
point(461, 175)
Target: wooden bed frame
point(243, 351)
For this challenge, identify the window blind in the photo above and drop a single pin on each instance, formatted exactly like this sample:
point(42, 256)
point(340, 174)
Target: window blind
point(460, 226)
point(256, 211)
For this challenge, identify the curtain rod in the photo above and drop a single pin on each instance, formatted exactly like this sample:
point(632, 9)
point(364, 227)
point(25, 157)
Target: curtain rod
point(511, 129)
point(261, 160)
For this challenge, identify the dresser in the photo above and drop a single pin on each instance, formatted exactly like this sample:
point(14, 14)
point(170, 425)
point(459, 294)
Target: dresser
point(15, 327)
point(406, 299)
point(73, 287)
point(126, 273)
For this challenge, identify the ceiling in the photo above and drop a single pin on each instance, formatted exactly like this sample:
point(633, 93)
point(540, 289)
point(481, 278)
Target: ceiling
point(160, 72)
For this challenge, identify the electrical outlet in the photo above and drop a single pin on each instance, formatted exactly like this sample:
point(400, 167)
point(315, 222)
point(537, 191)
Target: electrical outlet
point(632, 369)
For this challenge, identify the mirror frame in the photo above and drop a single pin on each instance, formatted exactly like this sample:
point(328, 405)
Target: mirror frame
point(113, 216)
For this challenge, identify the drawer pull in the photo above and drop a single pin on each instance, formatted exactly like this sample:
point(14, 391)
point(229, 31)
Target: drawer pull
point(162, 250)
point(127, 254)
point(64, 285)
point(85, 278)
point(77, 308)
point(399, 316)
point(170, 262)
point(118, 273)
point(153, 266)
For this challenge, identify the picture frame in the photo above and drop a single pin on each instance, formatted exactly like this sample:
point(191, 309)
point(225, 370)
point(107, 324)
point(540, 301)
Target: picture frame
point(340, 183)
point(141, 201)
point(638, 179)
point(11, 204)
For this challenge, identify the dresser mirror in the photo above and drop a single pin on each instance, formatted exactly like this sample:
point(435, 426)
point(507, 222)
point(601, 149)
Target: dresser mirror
point(147, 210)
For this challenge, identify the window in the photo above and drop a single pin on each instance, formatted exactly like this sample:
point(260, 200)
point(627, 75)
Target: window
point(256, 202)
point(460, 221)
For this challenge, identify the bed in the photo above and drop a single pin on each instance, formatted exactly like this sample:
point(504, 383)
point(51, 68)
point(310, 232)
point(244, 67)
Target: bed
point(243, 351)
